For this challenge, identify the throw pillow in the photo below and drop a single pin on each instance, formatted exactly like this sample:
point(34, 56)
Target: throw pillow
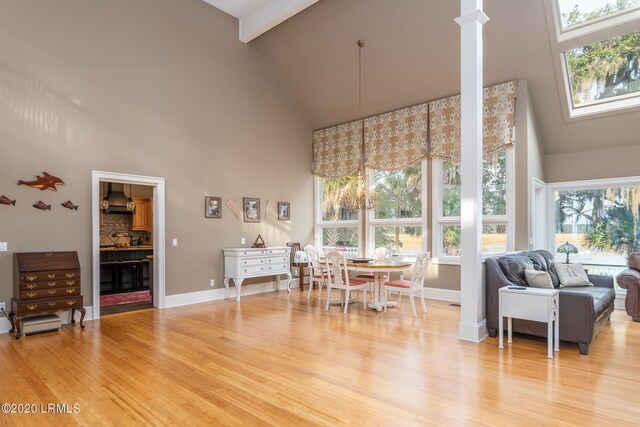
point(538, 279)
point(572, 275)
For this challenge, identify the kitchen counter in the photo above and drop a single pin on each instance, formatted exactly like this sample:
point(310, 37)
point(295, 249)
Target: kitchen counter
point(130, 248)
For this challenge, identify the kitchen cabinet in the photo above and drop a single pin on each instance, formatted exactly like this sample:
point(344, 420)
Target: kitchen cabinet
point(142, 215)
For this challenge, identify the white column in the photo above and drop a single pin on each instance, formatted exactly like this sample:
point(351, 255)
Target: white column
point(472, 325)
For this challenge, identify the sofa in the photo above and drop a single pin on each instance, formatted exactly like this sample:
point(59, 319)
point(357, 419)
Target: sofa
point(584, 310)
point(629, 279)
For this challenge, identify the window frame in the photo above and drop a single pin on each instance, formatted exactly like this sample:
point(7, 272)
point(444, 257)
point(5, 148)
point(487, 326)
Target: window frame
point(439, 220)
point(320, 225)
point(371, 222)
point(563, 40)
point(553, 188)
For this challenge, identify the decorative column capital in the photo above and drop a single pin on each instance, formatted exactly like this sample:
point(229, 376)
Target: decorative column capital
point(477, 16)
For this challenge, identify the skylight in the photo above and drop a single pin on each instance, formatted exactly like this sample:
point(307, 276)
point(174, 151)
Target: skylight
point(577, 12)
point(604, 69)
point(596, 49)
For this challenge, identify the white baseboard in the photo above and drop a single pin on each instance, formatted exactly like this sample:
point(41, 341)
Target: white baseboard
point(442, 294)
point(65, 318)
point(221, 293)
point(472, 332)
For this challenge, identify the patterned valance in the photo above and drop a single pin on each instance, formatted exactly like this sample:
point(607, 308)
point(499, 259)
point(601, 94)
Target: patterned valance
point(337, 151)
point(498, 122)
point(397, 139)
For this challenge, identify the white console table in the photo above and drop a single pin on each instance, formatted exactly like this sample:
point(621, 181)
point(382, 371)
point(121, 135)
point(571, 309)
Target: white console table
point(540, 305)
point(243, 263)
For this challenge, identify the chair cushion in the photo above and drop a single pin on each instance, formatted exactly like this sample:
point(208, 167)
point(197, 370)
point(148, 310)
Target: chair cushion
point(365, 276)
point(320, 276)
point(353, 282)
point(398, 283)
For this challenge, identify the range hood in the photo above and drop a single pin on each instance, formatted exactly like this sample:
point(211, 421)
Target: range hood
point(117, 201)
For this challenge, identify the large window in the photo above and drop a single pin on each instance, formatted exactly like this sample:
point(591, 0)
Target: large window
point(337, 225)
point(597, 54)
point(600, 218)
point(396, 222)
point(496, 207)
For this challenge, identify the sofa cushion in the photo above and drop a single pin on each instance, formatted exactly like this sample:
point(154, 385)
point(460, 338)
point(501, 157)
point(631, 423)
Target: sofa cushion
point(603, 298)
point(538, 279)
point(539, 263)
point(572, 275)
point(549, 258)
point(513, 267)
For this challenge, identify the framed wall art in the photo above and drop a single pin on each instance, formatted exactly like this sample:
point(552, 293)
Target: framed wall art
point(284, 211)
point(251, 208)
point(212, 207)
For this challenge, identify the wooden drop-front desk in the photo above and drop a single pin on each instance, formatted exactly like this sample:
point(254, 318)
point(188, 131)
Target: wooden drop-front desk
point(45, 282)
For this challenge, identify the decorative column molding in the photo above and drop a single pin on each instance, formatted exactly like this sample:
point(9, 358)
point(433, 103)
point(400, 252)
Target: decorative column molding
point(472, 326)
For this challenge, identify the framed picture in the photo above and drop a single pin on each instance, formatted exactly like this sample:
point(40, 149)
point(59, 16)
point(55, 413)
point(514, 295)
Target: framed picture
point(213, 207)
point(251, 207)
point(284, 211)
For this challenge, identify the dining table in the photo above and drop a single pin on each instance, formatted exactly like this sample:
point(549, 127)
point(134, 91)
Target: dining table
point(379, 269)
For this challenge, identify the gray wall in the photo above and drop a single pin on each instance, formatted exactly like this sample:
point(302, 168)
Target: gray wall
point(151, 87)
point(598, 164)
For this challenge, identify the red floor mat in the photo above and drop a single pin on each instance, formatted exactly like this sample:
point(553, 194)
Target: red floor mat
point(124, 298)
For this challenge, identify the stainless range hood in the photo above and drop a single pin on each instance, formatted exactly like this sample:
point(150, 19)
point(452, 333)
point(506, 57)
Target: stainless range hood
point(117, 201)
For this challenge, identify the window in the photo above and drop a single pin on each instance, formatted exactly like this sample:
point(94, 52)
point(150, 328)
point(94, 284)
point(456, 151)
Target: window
point(337, 225)
point(577, 12)
point(396, 222)
point(496, 207)
point(600, 218)
point(597, 54)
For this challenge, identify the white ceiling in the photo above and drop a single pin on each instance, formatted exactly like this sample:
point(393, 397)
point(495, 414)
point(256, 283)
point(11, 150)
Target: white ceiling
point(237, 8)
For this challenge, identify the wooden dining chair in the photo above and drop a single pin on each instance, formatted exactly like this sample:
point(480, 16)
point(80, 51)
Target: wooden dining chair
point(295, 247)
point(317, 274)
point(338, 278)
point(414, 286)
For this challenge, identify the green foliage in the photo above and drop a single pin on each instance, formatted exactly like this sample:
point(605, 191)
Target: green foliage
point(399, 193)
point(605, 68)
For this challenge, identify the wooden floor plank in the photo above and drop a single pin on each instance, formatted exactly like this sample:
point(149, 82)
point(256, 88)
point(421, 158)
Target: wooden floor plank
point(279, 359)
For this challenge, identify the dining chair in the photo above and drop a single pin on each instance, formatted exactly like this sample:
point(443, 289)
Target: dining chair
point(317, 273)
point(295, 247)
point(338, 278)
point(413, 286)
point(380, 254)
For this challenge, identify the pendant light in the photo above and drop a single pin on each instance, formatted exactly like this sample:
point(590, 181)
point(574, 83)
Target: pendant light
point(130, 205)
point(359, 197)
point(104, 203)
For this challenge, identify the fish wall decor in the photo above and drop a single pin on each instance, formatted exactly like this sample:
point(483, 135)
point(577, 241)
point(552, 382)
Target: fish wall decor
point(41, 205)
point(69, 205)
point(46, 182)
point(4, 200)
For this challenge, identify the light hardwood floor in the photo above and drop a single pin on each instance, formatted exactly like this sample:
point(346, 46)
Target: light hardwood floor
point(277, 359)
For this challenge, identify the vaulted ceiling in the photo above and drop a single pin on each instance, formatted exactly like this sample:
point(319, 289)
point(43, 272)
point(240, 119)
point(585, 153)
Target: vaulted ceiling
point(412, 55)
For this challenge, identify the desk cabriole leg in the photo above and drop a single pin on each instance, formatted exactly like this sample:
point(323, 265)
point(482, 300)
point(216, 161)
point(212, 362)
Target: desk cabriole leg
point(289, 281)
point(226, 285)
point(83, 312)
point(238, 283)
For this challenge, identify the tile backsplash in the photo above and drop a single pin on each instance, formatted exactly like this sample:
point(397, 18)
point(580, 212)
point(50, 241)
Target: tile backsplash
point(116, 229)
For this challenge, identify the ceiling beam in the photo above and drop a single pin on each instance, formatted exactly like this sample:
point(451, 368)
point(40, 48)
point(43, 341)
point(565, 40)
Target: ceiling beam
point(268, 16)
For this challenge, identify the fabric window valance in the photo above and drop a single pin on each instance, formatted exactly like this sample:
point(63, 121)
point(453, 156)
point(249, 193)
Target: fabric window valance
point(498, 122)
point(337, 151)
point(397, 139)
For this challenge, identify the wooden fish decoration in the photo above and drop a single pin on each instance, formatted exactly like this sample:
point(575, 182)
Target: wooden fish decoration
point(46, 182)
point(69, 205)
point(41, 205)
point(4, 200)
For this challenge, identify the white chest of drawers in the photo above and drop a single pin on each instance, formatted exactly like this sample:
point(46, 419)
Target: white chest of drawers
point(242, 263)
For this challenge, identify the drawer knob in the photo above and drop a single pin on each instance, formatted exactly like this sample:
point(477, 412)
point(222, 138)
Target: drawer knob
point(32, 286)
point(51, 291)
point(71, 302)
point(71, 282)
point(51, 276)
point(32, 307)
point(31, 278)
point(71, 291)
point(48, 254)
point(52, 284)
point(51, 304)
point(31, 294)
point(70, 275)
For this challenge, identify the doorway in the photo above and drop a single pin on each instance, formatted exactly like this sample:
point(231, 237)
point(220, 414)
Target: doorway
point(130, 254)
